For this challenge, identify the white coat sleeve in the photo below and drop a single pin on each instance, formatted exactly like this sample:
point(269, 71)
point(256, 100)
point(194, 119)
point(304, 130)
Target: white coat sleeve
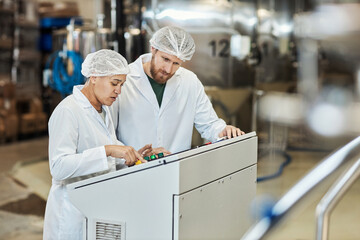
point(208, 124)
point(65, 161)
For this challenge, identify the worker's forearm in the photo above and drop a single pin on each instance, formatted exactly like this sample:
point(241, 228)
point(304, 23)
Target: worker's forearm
point(109, 150)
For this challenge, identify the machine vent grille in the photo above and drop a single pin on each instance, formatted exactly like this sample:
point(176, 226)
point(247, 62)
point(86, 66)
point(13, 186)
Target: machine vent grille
point(109, 231)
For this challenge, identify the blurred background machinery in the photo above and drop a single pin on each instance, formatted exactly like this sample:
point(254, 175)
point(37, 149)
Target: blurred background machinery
point(20, 98)
point(244, 50)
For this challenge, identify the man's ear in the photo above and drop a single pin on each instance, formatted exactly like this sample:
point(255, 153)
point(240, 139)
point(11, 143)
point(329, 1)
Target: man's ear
point(92, 79)
point(153, 50)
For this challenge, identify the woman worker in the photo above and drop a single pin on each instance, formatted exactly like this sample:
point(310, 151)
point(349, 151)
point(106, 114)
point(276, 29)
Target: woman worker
point(82, 139)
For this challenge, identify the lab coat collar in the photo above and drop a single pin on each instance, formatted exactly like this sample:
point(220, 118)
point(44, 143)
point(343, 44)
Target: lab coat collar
point(80, 97)
point(142, 83)
point(139, 70)
point(171, 85)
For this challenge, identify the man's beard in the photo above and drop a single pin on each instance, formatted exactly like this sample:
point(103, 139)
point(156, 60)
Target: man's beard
point(163, 77)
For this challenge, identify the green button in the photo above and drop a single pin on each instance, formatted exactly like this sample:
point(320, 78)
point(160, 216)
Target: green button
point(160, 155)
point(153, 157)
point(147, 158)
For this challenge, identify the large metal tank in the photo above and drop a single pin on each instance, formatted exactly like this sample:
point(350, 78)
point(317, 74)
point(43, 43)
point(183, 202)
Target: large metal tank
point(270, 65)
point(212, 25)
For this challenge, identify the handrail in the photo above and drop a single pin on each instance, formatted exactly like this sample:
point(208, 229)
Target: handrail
point(332, 197)
point(287, 202)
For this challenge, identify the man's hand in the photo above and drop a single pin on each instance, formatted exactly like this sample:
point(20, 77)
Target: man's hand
point(146, 151)
point(230, 131)
point(161, 150)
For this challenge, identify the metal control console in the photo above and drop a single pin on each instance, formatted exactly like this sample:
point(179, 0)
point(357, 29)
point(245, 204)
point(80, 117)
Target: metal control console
point(202, 193)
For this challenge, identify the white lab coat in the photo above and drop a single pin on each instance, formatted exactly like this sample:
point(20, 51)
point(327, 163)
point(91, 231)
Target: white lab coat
point(171, 125)
point(77, 135)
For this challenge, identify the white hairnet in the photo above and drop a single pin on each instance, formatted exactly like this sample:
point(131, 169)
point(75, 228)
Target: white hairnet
point(104, 62)
point(174, 41)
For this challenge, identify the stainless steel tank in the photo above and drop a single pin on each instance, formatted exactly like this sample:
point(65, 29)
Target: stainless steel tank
point(267, 24)
point(82, 39)
point(212, 25)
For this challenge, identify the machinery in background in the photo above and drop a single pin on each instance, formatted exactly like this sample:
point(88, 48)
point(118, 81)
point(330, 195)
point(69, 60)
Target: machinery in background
point(327, 88)
point(8, 109)
point(329, 75)
point(70, 44)
point(243, 48)
point(7, 23)
point(238, 43)
point(327, 103)
point(25, 70)
point(222, 30)
point(21, 110)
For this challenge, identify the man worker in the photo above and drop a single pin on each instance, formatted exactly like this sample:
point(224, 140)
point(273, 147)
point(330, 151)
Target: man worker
point(162, 101)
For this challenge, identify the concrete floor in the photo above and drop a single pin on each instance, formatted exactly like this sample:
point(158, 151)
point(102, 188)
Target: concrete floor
point(24, 184)
point(25, 181)
point(301, 224)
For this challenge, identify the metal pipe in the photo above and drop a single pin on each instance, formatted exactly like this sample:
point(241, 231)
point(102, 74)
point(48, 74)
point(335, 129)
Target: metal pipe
point(357, 84)
point(331, 199)
point(154, 9)
point(113, 16)
point(286, 203)
point(308, 69)
point(120, 27)
point(255, 103)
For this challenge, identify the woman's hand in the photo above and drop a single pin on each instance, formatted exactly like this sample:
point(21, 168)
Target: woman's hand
point(128, 153)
